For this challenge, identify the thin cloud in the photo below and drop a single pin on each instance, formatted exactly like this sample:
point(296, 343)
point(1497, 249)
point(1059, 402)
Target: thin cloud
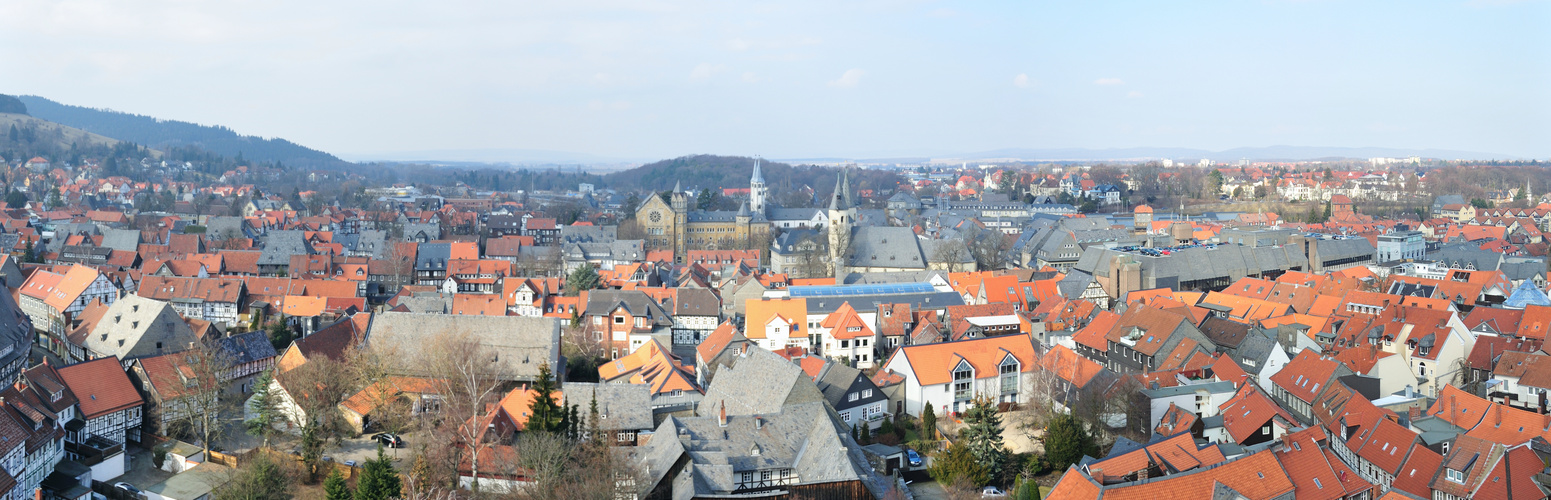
point(704, 71)
point(1133, 94)
point(851, 78)
point(1022, 81)
point(749, 76)
point(1108, 81)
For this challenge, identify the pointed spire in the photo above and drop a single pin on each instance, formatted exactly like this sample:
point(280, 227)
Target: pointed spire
point(743, 211)
point(841, 199)
point(676, 187)
point(757, 178)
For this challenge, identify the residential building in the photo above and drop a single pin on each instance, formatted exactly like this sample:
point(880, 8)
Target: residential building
point(950, 375)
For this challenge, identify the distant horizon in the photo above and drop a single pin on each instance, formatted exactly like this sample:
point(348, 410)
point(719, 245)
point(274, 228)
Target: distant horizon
point(521, 157)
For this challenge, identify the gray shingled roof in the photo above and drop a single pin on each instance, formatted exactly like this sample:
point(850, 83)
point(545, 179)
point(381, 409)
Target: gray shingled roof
point(135, 327)
point(620, 406)
point(279, 246)
point(794, 437)
point(636, 302)
point(521, 343)
point(895, 247)
point(220, 228)
point(121, 239)
point(758, 382)
point(248, 347)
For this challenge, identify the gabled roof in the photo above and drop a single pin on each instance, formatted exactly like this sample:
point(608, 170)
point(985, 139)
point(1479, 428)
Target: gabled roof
point(101, 385)
point(1305, 375)
point(934, 363)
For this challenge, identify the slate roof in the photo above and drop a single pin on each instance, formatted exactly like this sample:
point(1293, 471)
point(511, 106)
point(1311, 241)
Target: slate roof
point(636, 302)
point(794, 437)
point(758, 381)
point(894, 247)
point(279, 246)
point(135, 327)
point(521, 343)
point(121, 239)
point(620, 406)
point(248, 347)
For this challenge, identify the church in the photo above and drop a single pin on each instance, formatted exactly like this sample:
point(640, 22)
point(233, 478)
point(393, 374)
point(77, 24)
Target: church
point(675, 225)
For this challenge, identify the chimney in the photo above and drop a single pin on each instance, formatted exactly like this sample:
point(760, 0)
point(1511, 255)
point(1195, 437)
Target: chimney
point(759, 423)
point(1415, 413)
point(721, 419)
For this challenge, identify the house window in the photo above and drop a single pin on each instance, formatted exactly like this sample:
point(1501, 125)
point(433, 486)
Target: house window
point(1455, 475)
point(867, 393)
point(845, 344)
point(852, 397)
point(619, 320)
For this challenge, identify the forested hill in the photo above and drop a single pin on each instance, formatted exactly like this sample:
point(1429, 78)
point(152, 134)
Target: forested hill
point(10, 104)
point(165, 134)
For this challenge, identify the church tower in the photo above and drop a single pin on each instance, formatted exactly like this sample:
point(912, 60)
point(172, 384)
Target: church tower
point(680, 224)
point(758, 193)
point(842, 216)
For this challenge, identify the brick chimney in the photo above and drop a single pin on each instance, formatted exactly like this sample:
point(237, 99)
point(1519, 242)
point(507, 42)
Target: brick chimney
point(721, 418)
point(1415, 413)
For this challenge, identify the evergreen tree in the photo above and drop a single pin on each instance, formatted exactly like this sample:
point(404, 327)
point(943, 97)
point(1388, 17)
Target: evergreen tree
point(15, 199)
point(632, 203)
point(264, 408)
point(31, 254)
point(583, 278)
point(856, 435)
point(982, 435)
point(1066, 441)
point(866, 434)
point(1326, 217)
point(1026, 490)
point(956, 465)
point(887, 427)
point(334, 488)
point(928, 422)
point(379, 481)
point(594, 431)
point(311, 449)
point(705, 199)
point(544, 413)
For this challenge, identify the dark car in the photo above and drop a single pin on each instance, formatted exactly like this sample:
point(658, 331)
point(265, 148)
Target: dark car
point(389, 440)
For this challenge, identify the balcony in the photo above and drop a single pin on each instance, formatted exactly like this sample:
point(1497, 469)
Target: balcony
point(94, 450)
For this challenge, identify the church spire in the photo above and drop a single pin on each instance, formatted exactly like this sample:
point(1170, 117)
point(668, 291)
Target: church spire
point(757, 178)
point(842, 197)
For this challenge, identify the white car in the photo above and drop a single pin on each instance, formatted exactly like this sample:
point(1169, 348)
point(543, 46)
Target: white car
point(992, 492)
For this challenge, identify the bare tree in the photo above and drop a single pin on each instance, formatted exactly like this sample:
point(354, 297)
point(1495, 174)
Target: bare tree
point(986, 246)
point(194, 394)
point(316, 389)
point(950, 255)
point(467, 376)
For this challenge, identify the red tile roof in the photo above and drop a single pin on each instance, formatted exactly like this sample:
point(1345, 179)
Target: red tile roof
point(101, 385)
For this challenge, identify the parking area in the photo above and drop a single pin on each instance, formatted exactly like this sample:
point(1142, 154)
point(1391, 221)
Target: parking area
point(364, 448)
point(142, 472)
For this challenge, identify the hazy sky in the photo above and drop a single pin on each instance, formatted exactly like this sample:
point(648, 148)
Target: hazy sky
point(796, 78)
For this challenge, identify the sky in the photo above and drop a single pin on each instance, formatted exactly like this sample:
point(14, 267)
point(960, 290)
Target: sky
point(647, 79)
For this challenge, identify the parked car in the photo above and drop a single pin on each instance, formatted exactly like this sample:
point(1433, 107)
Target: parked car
point(913, 457)
point(129, 488)
point(389, 440)
point(350, 463)
point(992, 492)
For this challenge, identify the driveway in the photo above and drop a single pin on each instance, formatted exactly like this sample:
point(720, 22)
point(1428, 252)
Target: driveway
point(141, 472)
point(928, 490)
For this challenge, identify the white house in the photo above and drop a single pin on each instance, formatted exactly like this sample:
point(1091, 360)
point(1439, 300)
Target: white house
point(950, 375)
